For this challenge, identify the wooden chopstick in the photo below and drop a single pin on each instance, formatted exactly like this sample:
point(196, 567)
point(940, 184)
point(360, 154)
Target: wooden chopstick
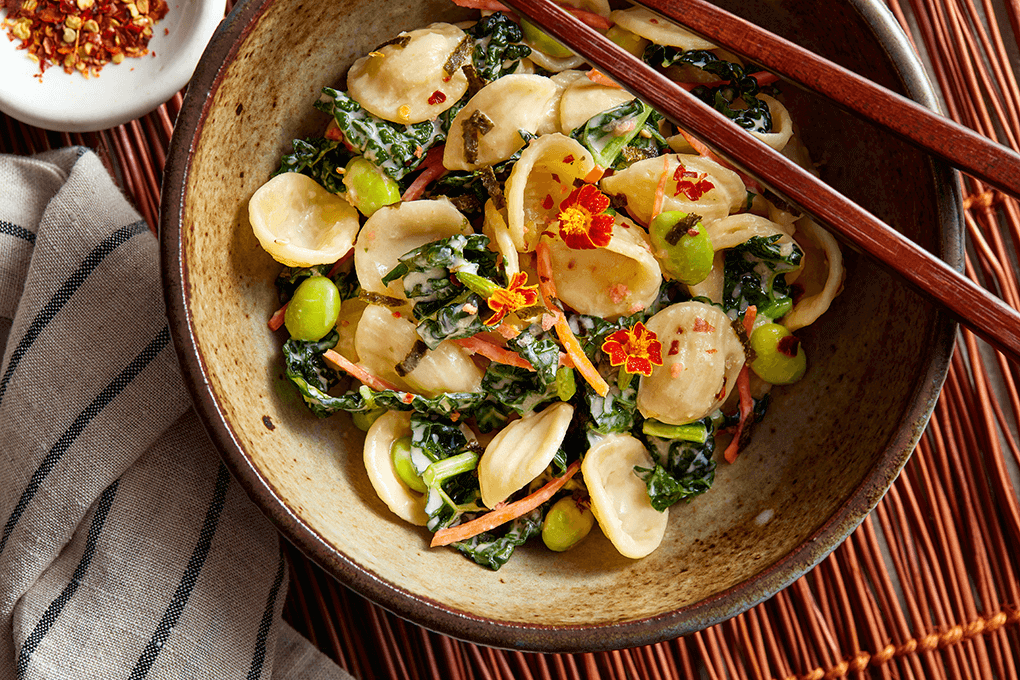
point(959, 146)
point(975, 307)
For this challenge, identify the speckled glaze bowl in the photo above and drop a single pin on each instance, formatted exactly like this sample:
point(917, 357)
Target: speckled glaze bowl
point(826, 452)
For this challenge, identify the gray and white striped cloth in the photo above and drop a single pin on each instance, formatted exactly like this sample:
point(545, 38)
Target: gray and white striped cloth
point(126, 550)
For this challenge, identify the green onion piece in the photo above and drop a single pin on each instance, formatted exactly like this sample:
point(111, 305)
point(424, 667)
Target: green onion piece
point(566, 386)
point(441, 470)
point(691, 432)
point(477, 284)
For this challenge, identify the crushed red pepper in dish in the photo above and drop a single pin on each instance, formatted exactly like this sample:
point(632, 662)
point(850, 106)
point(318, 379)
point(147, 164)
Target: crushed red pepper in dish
point(83, 35)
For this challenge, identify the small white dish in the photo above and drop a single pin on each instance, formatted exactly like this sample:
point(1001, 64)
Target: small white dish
point(121, 92)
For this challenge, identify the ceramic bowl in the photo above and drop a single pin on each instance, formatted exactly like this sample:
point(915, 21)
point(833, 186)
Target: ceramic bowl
point(121, 92)
point(826, 452)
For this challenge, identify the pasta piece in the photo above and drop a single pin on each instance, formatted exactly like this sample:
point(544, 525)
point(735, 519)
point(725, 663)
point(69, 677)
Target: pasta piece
point(583, 99)
point(406, 504)
point(494, 226)
point(638, 185)
point(542, 178)
point(346, 326)
point(395, 230)
point(618, 280)
point(659, 30)
point(619, 499)
point(555, 64)
point(512, 103)
point(701, 358)
point(712, 286)
point(821, 274)
point(521, 452)
point(736, 229)
point(301, 224)
point(384, 340)
point(407, 83)
point(782, 124)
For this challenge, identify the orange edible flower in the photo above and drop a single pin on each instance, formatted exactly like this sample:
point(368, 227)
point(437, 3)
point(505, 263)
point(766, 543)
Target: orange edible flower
point(636, 349)
point(691, 184)
point(516, 296)
point(584, 224)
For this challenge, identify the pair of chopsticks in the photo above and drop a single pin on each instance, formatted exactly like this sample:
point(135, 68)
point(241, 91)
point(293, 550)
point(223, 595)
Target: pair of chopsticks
point(976, 308)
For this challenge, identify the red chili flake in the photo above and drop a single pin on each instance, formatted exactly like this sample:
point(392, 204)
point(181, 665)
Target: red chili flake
point(547, 204)
point(569, 159)
point(437, 98)
point(334, 134)
point(711, 351)
point(556, 178)
point(83, 35)
point(788, 346)
point(691, 184)
point(721, 394)
point(674, 348)
point(396, 315)
point(407, 398)
point(702, 326)
point(653, 21)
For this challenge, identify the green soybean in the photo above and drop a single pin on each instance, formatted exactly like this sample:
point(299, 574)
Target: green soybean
point(780, 357)
point(682, 246)
point(400, 453)
point(543, 42)
point(566, 524)
point(313, 309)
point(368, 188)
point(364, 419)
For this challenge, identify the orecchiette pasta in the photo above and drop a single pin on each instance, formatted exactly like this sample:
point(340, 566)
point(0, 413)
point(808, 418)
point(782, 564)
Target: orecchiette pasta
point(521, 452)
point(405, 81)
point(510, 104)
point(659, 30)
point(701, 357)
point(301, 224)
point(395, 230)
point(736, 229)
point(821, 275)
point(639, 182)
point(583, 99)
point(406, 504)
point(383, 341)
point(782, 124)
point(610, 282)
point(542, 178)
point(618, 497)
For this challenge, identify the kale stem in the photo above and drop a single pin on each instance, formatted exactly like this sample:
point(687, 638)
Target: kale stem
point(691, 432)
point(441, 470)
point(477, 284)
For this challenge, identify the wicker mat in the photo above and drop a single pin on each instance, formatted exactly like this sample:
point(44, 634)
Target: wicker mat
point(927, 587)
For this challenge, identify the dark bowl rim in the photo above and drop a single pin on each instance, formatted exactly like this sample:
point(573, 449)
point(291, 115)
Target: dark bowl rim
point(532, 637)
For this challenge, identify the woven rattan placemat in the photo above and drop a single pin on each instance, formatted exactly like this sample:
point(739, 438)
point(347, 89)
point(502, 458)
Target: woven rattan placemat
point(927, 587)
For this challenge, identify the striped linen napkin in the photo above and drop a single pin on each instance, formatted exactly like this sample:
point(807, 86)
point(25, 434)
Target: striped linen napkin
point(126, 550)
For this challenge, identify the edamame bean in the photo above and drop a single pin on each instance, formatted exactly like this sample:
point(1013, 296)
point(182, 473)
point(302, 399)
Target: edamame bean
point(400, 452)
point(566, 524)
point(368, 188)
point(364, 419)
point(313, 309)
point(682, 246)
point(780, 357)
point(542, 41)
point(632, 42)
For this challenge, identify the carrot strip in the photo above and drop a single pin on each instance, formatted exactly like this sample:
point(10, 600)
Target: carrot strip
point(594, 175)
point(511, 511)
point(600, 78)
point(342, 363)
point(494, 352)
point(744, 390)
point(427, 176)
point(566, 336)
point(699, 146)
point(483, 5)
point(275, 322)
point(660, 189)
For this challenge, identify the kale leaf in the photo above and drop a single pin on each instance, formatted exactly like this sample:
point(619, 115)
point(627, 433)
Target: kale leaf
point(444, 458)
point(492, 549)
point(306, 368)
point(753, 275)
point(319, 158)
point(516, 389)
point(396, 149)
point(622, 135)
point(686, 470)
point(498, 47)
point(753, 115)
point(540, 349)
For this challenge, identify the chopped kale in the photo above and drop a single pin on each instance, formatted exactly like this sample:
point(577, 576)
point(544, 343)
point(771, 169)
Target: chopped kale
point(620, 135)
point(396, 149)
point(306, 368)
point(445, 460)
point(319, 158)
point(458, 318)
point(492, 549)
point(498, 46)
point(753, 275)
point(539, 348)
point(515, 389)
point(687, 469)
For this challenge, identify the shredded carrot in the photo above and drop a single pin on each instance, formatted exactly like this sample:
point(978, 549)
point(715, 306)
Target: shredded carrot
point(660, 189)
point(484, 5)
point(433, 169)
point(494, 352)
point(566, 336)
point(699, 146)
point(504, 514)
point(594, 175)
point(600, 78)
point(744, 391)
point(341, 363)
point(276, 320)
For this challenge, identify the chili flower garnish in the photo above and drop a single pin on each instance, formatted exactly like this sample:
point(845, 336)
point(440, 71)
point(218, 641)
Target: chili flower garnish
point(691, 184)
point(516, 296)
point(584, 223)
point(636, 349)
